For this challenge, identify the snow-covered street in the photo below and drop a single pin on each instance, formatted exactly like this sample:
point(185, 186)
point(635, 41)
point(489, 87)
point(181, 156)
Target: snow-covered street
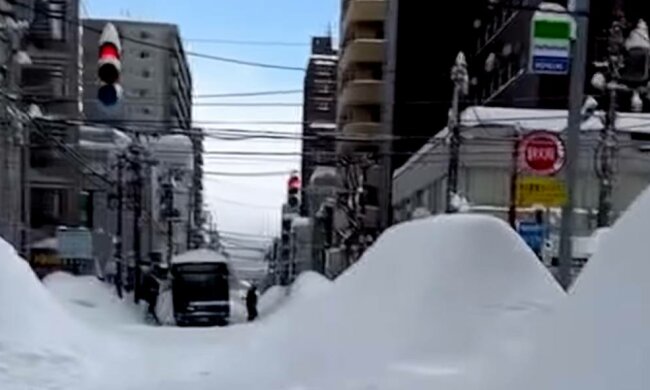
point(448, 302)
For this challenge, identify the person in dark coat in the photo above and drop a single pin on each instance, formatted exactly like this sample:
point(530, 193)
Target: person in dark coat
point(251, 303)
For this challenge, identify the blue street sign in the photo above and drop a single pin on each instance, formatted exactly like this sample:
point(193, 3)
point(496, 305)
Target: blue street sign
point(533, 234)
point(550, 65)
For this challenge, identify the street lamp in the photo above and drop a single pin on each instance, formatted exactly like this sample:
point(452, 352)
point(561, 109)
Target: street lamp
point(637, 60)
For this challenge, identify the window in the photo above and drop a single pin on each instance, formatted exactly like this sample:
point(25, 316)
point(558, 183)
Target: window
point(145, 34)
point(142, 92)
point(146, 73)
point(146, 110)
point(145, 54)
point(86, 208)
point(47, 207)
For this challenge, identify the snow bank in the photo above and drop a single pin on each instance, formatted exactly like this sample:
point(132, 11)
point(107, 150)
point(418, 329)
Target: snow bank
point(431, 297)
point(200, 256)
point(599, 338)
point(40, 345)
point(271, 300)
point(93, 301)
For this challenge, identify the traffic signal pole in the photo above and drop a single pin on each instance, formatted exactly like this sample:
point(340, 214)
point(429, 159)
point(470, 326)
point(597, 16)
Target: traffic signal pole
point(118, 231)
point(576, 96)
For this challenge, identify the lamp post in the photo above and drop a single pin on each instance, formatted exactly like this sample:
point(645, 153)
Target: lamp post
point(625, 71)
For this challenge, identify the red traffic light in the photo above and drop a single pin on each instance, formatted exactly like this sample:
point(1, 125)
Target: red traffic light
point(109, 50)
point(294, 183)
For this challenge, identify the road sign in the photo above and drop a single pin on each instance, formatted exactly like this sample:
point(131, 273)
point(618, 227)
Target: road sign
point(550, 47)
point(542, 153)
point(534, 234)
point(74, 243)
point(540, 190)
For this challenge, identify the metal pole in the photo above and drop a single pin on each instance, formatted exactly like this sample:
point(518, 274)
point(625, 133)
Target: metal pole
point(454, 152)
point(460, 78)
point(576, 97)
point(170, 222)
point(118, 229)
point(606, 173)
point(137, 215)
point(514, 178)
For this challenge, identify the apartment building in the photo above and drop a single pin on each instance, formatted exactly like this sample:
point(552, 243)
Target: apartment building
point(359, 109)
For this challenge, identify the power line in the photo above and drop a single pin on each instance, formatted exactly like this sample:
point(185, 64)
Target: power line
point(246, 42)
point(253, 174)
point(249, 104)
point(247, 94)
point(236, 61)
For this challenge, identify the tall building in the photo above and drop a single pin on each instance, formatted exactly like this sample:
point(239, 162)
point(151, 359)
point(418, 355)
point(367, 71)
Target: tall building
point(359, 109)
point(498, 52)
point(157, 100)
point(52, 81)
point(155, 76)
point(319, 109)
point(421, 49)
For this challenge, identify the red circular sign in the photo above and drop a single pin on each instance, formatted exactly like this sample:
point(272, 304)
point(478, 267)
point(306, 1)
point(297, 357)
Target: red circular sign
point(542, 152)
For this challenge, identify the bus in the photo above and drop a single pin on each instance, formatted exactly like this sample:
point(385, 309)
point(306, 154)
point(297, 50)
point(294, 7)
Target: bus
point(200, 282)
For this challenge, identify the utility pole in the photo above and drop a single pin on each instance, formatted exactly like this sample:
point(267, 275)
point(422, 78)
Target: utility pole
point(137, 217)
point(461, 83)
point(118, 229)
point(514, 177)
point(576, 96)
point(607, 146)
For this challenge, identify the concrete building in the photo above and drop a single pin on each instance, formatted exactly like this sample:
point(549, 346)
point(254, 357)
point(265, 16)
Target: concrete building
point(157, 82)
point(176, 158)
point(498, 55)
point(52, 81)
point(360, 151)
point(487, 166)
point(319, 109)
point(156, 101)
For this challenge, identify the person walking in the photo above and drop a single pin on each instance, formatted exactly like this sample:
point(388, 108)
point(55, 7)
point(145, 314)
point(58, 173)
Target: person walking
point(251, 303)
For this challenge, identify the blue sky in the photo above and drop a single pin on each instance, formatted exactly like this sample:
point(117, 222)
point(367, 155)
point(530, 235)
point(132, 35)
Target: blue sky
point(249, 20)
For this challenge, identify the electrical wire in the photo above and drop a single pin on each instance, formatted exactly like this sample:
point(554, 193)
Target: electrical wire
point(246, 42)
point(236, 61)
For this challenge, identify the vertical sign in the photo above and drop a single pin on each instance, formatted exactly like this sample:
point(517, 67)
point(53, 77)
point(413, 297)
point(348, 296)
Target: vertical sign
point(550, 45)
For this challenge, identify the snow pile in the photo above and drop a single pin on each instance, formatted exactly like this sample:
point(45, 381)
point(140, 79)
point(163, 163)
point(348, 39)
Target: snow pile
point(271, 300)
point(39, 342)
point(93, 301)
point(599, 338)
point(428, 300)
point(200, 256)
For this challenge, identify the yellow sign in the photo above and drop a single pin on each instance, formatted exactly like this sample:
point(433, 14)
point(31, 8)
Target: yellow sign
point(542, 190)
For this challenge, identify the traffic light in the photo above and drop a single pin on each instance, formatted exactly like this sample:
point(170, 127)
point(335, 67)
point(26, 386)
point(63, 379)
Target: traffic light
point(293, 191)
point(109, 66)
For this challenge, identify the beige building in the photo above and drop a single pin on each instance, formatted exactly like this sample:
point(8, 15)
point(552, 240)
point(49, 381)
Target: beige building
point(360, 78)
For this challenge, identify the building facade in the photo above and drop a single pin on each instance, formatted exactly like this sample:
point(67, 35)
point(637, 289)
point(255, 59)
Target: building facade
point(155, 77)
point(487, 167)
point(156, 103)
point(52, 81)
point(360, 150)
point(319, 109)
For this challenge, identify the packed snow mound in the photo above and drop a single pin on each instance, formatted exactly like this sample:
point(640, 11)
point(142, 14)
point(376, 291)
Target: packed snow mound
point(444, 291)
point(200, 256)
point(93, 301)
point(271, 300)
point(309, 284)
point(39, 342)
point(29, 314)
point(599, 338)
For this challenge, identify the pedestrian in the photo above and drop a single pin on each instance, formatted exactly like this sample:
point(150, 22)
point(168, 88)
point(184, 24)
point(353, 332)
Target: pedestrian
point(251, 303)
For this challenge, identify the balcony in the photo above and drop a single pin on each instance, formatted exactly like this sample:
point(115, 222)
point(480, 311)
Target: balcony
point(356, 136)
point(363, 11)
point(361, 92)
point(363, 50)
